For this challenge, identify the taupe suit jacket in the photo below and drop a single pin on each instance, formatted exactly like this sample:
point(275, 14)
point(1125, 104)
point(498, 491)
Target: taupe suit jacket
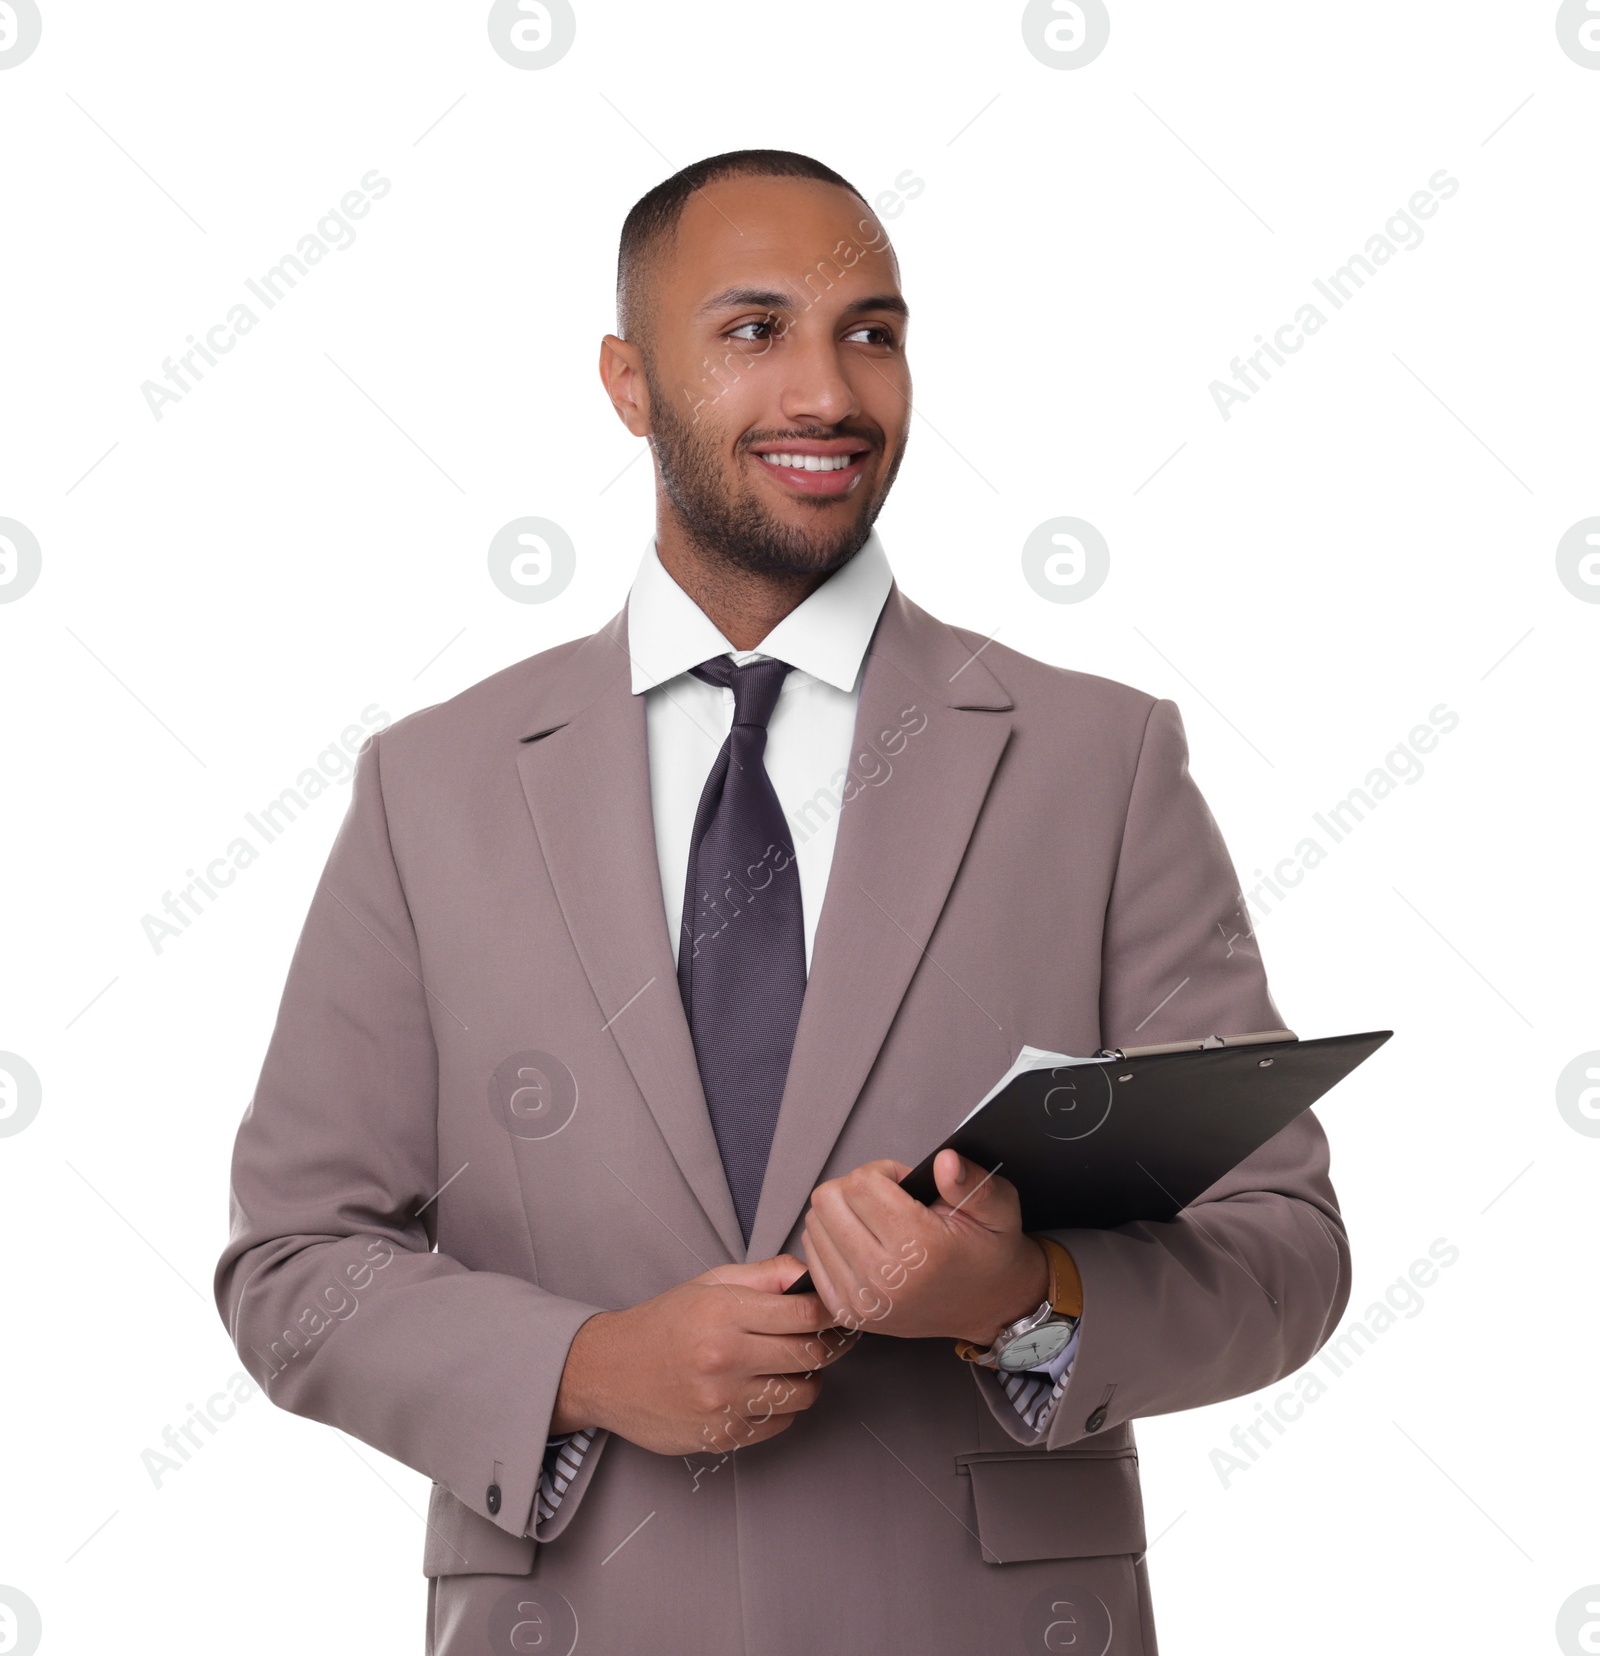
point(1024, 858)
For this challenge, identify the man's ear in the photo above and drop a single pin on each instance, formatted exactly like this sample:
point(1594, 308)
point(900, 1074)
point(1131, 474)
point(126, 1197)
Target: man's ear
point(622, 374)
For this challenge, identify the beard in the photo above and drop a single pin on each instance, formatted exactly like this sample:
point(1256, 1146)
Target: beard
point(734, 526)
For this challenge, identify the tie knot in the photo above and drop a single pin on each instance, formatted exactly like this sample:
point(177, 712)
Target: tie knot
point(755, 686)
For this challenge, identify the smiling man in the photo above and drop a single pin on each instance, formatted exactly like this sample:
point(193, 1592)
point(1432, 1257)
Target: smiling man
point(638, 972)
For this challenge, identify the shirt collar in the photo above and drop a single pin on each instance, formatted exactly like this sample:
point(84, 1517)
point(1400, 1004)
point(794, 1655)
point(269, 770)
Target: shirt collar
point(826, 635)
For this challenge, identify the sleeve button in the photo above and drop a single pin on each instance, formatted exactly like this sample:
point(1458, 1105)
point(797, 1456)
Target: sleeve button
point(492, 1499)
point(1096, 1420)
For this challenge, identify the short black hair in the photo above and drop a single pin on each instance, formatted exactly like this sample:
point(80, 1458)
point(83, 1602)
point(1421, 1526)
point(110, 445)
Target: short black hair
point(653, 219)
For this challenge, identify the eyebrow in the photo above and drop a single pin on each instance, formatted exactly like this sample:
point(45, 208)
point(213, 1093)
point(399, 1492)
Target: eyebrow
point(772, 299)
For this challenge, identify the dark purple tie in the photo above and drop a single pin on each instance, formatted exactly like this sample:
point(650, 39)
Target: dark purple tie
point(742, 951)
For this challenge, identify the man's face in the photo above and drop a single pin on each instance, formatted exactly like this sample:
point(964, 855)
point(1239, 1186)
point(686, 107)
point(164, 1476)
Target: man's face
point(780, 394)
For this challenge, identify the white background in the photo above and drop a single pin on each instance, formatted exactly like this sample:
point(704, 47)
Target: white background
point(223, 590)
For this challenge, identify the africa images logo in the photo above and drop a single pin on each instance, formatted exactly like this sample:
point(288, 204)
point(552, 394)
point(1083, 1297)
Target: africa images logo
point(20, 28)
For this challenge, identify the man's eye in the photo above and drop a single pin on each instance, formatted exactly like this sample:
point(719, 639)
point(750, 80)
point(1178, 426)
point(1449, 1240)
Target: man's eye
point(768, 326)
point(885, 336)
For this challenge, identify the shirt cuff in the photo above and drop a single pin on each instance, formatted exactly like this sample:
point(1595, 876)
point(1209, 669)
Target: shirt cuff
point(562, 1457)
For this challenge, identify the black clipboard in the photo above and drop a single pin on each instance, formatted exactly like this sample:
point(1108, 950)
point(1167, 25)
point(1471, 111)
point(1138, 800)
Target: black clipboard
point(1138, 1133)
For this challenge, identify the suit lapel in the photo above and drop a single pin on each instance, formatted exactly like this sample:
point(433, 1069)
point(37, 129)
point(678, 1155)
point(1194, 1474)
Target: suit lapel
point(585, 771)
point(898, 848)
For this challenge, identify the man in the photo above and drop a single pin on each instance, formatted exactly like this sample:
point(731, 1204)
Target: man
point(639, 969)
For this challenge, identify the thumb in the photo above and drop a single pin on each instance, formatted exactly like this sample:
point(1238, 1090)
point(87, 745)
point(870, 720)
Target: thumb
point(767, 1276)
point(973, 1189)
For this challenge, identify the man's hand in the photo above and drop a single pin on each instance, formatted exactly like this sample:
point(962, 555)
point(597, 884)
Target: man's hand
point(724, 1360)
point(962, 1268)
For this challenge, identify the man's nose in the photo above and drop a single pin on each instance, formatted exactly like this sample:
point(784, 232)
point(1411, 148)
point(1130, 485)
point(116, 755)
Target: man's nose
point(816, 390)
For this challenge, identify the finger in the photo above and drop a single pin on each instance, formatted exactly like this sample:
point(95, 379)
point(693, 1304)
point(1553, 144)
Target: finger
point(857, 1298)
point(834, 1252)
point(870, 1178)
point(832, 1283)
point(865, 1204)
point(982, 1194)
point(789, 1315)
point(756, 1408)
point(827, 1290)
point(775, 1394)
point(792, 1353)
point(886, 1165)
point(791, 1269)
point(837, 1338)
point(950, 1169)
point(821, 1281)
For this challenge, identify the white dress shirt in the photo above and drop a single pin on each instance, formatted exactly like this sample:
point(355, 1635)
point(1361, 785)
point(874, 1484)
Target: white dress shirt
point(809, 735)
point(809, 740)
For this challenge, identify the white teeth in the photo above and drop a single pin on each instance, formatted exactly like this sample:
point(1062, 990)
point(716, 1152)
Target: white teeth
point(810, 462)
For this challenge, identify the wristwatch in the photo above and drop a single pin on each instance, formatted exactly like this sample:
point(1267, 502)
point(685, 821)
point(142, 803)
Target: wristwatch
point(1034, 1340)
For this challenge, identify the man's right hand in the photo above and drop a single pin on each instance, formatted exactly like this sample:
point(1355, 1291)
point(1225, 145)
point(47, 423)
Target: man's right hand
point(721, 1361)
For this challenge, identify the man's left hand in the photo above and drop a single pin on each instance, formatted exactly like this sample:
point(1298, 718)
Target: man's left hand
point(962, 1268)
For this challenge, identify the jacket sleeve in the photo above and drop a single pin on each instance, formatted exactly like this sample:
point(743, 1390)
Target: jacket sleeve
point(1249, 1281)
point(329, 1286)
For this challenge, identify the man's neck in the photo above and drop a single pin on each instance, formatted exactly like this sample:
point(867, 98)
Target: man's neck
point(744, 607)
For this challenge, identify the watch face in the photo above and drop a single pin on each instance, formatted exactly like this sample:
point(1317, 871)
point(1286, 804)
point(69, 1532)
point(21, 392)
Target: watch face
point(1037, 1346)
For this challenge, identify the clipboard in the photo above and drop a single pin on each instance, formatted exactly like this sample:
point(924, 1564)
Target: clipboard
point(1137, 1133)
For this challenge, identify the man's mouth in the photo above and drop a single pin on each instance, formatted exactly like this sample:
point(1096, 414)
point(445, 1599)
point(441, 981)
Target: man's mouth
point(816, 468)
point(811, 462)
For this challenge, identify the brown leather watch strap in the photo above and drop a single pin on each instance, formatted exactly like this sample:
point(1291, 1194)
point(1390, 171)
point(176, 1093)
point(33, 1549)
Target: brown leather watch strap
point(1066, 1286)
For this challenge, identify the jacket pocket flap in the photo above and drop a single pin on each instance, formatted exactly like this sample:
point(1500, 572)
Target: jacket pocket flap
point(463, 1542)
point(1040, 1505)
